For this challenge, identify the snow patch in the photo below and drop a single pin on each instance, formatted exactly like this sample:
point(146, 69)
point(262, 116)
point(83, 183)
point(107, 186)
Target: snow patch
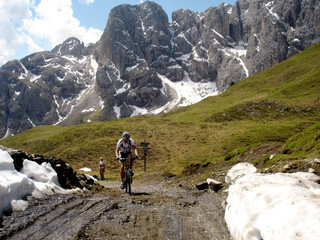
point(34, 179)
point(272, 206)
point(244, 66)
point(93, 65)
point(181, 35)
point(174, 67)
point(270, 7)
point(239, 49)
point(65, 107)
point(186, 92)
point(27, 74)
point(185, 59)
point(129, 69)
point(85, 169)
point(138, 110)
point(117, 110)
point(33, 125)
point(257, 47)
point(217, 33)
point(88, 110)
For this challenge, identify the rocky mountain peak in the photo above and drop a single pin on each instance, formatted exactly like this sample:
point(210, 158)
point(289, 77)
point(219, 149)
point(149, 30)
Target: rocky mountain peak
point(72, 46)
point(144, 65)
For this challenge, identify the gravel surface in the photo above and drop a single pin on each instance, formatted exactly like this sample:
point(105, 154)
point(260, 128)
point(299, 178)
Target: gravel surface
point(154, 211)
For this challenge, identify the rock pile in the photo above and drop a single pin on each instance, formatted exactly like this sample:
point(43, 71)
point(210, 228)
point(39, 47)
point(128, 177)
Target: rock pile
point(67, 177)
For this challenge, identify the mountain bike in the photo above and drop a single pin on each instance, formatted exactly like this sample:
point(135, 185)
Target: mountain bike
point(127, 175)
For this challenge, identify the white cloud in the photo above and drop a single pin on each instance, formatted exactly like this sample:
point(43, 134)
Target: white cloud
point(87, 2)
point(5, 53)
point(55, 22)
point(39, 27)
point(12, 14)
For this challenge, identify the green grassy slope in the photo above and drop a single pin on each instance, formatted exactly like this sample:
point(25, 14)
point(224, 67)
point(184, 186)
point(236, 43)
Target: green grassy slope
point(278, 105)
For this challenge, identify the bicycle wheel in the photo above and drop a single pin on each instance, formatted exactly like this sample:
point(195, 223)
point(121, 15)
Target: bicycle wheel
point(125, 181)
point(128, 182)
point(129, 187)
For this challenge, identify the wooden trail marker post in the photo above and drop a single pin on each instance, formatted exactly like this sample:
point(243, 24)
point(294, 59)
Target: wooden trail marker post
point(145, 149)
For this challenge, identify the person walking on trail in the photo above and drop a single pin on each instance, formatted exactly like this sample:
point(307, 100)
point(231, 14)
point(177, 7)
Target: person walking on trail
point(102, 168)
point(124, 149)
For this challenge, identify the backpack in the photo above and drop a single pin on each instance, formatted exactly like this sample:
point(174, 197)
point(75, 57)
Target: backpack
point(123, 148)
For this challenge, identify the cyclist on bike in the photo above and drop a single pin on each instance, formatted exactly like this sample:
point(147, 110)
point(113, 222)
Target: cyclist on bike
point(123, 150)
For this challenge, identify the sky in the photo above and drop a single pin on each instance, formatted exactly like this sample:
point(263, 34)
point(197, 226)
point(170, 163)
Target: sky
point(259, 206)
point(28, 26)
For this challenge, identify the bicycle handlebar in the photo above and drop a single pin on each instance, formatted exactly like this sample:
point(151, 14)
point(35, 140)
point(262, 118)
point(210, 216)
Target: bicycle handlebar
point(123, 159)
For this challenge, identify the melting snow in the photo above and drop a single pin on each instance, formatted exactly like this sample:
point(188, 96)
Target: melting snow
point(187, 92)
point(33, 125)
point(217, 33)
point(137, 110)
point(269, 6)
point(88, 110)
point(181, 35)
point(244, 66)
point(175, 67)
point(85, 169)
point(272, 206)
point(239, 49)
point(129, 69)
point(28, 74)
point(34, 78)
point(185, 59)
point(257, 48)
point(196, 56)
point(34, 179)
point(237, 52)
point(93, 66)
point(117, 111)
point(65, 109)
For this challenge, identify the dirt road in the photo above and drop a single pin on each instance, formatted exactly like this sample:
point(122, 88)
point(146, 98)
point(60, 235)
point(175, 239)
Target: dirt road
point(155, 211)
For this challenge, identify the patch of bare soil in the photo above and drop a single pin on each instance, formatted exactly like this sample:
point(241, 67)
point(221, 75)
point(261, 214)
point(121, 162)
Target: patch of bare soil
point(157, 209)
point(255, 153)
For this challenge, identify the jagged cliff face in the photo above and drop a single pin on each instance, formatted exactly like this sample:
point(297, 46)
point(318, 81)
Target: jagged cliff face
point(48, 88)
point(142, 64)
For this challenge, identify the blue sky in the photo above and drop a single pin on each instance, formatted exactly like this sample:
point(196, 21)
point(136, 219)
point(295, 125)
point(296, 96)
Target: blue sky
point(101, 8)
point(28, 26)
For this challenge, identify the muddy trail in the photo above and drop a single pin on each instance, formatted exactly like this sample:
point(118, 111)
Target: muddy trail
point(160, 210)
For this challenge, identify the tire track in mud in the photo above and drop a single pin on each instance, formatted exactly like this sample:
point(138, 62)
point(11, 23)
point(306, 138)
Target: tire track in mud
point(64, 221)
point(154, 211)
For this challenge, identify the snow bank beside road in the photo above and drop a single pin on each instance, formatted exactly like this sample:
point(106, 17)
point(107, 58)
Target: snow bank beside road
point(274, 206)
point(13, 185)
point(33, 180)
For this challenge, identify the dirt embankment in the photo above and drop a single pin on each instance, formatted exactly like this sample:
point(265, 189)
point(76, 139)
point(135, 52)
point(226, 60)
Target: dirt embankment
point(158, 209)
